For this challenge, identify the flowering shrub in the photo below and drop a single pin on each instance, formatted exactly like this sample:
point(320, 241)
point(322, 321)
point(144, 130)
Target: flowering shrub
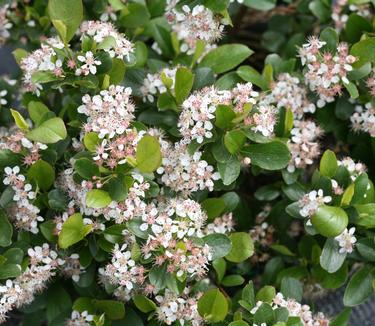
point(156, 171)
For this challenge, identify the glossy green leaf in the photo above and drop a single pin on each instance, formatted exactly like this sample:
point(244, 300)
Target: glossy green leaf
point(73, 231)
point(213, 306)
point(329, 221)
point(148, 154)
point(225, 57)
point(48, 132)
point(242, 247)
point(97, 198)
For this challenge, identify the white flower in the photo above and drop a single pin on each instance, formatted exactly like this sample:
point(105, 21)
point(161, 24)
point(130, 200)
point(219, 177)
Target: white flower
point(311, 201)
point(3, 93)
point(346, 241)
point(89, 65)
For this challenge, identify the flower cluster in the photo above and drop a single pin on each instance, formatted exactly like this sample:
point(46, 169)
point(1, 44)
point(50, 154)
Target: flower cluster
point(153, 84)
point(311, 201)
point(186, 173)
point(370, 83)
point(223, 224)
point(191, 25)
point(109, 113)
point(72, 267)
point(15, 140)
point(303, 144)
point(342, 8)
point(120, 48)
point(123, 271)
point(354, 169)
point(21, 290)
point(5, 24)
point(287, 92)
point(80, 319)
point(363, 119)
point(262, 235)
point(44, 59)
point(183, 308)
point(326, 72)
point(295, 309)
point(25, 214)
point(133, 205)
point(198, 111)
point(346, 241)
point(169, 226)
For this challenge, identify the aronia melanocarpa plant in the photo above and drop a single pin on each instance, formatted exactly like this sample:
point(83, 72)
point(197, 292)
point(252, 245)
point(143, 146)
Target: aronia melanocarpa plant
point(156, 170)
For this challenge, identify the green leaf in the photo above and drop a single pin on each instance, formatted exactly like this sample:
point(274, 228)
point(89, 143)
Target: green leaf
point(342, 319)
point(73, 231)
point(220, 266)
point(118, 187)
point(242, 247)
point(143, 303)
point(220, 244)
point(48, 132)
point(9, 270)
point(183, 84)
point(6, 230)
point(37, 110)
point(238, 323)
point(141, 53)
point(86, 168)
point(19, 120)
point(352, 89)
point(117, 73)
point(330, 36)
point(229, 171)
point(366, 247)
point(213, 306)
point(291, 288)
point(224, 116)
point(329, 221)
point(366, 215)
point(364, 50)
point(97, 198)
point(331, 260)
point(13, 256)
point(216, 5)
point(137, 16)
point(47, 228)
point(58, 303)
point(266, 294)
point(19, 54)
point(57, 200)
point(225, 57)
point(148, 154)
point(113, 309)
point(355, 26)
point(260, 4)
point(91, 141)
point(42, 173)
point(264, 314)
point(269, 156)
point(328, 164)
point(234, 140)
point(213, 207)
point(232, 280)
point(361, 185)
point(249, 74)
point(359, 287)
point(68, 13)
